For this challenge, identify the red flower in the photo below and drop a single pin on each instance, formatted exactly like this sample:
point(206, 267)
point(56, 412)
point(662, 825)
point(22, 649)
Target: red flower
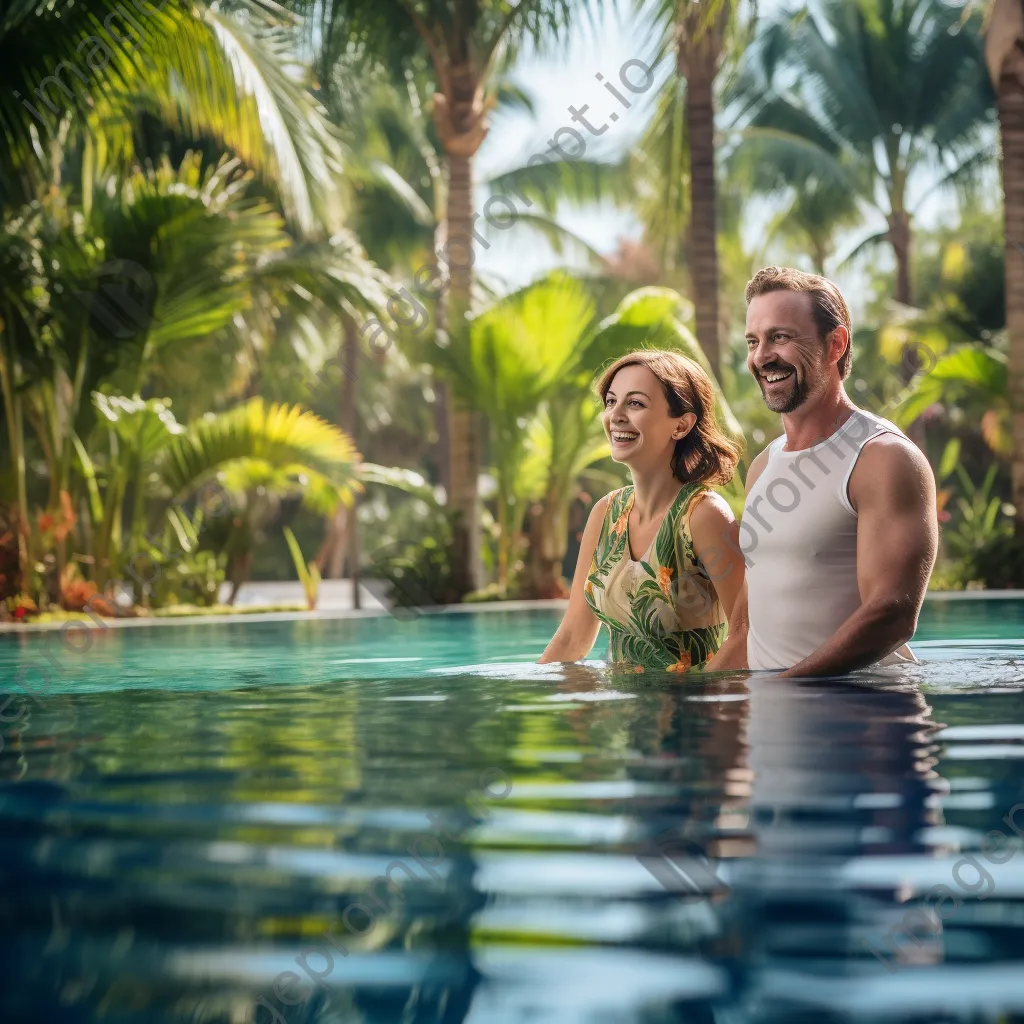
point(19, 613)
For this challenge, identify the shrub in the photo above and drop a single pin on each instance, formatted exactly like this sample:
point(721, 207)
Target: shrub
point(419, 574)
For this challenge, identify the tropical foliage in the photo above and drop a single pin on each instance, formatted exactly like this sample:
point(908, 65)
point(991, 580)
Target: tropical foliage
point(211, 216)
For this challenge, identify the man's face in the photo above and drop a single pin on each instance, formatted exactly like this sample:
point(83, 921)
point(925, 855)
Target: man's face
point(785, 353)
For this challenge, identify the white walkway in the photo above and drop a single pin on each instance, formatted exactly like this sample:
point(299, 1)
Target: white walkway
point(335, 595)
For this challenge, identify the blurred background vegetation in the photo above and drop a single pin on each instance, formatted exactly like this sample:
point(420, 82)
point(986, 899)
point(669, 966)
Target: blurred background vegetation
point(230, 349)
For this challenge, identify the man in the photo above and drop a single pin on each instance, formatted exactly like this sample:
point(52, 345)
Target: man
point(839, 528)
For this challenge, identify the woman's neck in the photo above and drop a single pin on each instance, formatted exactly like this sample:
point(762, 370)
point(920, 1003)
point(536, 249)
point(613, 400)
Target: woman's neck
point(653, 493)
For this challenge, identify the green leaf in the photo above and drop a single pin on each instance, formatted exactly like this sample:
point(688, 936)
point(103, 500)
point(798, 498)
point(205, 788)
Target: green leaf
point(89, 474)
point(950, 457)
point(280, 436)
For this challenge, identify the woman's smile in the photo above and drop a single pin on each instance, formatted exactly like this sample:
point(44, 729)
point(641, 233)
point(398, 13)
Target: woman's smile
point(623, 438)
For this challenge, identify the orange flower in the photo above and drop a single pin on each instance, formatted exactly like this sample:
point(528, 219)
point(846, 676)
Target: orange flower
point(619, 526)
point(664, 579)
point(682, 665)
point(638, 669)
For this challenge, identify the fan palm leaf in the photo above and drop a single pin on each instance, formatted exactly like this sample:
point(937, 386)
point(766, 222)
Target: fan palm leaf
point(203, 71)
point(871, 98)
point(280, 435)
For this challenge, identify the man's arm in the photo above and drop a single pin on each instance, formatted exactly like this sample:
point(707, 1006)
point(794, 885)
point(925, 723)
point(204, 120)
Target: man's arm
point(893, 490)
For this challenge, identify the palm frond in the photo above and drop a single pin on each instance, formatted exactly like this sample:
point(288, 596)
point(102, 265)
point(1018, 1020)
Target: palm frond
point(580, 181)
point(279, 435)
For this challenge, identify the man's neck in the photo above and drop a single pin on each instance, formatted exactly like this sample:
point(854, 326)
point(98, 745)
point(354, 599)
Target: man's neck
point(817, 419)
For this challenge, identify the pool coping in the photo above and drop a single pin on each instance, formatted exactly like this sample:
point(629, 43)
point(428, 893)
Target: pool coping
point(376, 613)
point(297, 616)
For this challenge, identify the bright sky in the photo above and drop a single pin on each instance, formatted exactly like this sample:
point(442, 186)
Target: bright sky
point(558, 80)
point(555, 82)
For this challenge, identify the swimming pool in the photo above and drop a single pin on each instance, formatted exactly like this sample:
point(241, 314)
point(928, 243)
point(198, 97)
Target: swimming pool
point(378, 821)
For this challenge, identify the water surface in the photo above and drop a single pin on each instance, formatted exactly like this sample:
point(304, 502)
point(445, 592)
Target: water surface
point(192, 819)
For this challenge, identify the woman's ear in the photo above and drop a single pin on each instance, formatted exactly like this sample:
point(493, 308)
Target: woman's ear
point(684, 426)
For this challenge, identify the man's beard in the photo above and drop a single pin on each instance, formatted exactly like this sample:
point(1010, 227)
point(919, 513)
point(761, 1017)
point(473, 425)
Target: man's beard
point(784, 401)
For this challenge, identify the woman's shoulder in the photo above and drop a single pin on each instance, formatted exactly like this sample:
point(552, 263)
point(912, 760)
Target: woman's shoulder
point(707, 508)
point(599, 510)
point(613, 500)
point(709, 521)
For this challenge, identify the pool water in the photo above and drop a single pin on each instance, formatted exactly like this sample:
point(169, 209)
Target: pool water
point(382, 821)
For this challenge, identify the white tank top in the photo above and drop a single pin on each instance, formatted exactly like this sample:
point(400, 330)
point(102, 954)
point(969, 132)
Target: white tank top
point(799, 539)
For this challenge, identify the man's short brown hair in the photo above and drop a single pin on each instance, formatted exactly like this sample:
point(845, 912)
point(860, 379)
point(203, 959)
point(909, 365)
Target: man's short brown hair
point(827, 303)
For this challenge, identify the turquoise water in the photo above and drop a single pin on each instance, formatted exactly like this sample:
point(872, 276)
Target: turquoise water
point(192, 820)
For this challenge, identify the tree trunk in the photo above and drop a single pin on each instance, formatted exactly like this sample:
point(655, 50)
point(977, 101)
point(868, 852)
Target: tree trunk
point(463, 427)
point(1010, 103)
point(239, 573)
point(16, 433)
point(441, 397)
point(548, 534)
point(348, 420)
point(460, 117)
point(330, 556)
point(899, 238)
point(444, 444)
point(18, 453)
point(699, 47)
point(819, 253)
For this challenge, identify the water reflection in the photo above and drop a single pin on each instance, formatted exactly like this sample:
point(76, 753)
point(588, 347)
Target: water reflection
point(841, 770)
point(728, 849)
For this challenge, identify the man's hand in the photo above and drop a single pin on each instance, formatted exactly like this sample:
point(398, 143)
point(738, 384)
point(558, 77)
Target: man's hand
point(893, 490)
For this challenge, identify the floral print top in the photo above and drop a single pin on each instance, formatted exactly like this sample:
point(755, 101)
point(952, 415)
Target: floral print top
point(661, 610)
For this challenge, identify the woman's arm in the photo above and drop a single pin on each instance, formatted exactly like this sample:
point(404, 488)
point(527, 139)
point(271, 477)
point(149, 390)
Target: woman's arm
point(716, 545)
point(715, 535)
point(733, 653)
point(579, 627)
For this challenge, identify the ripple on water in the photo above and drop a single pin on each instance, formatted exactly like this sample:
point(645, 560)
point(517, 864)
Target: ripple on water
point(744, 847)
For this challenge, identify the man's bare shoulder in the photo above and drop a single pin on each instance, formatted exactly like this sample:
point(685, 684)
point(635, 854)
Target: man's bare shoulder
point(757, 466)
point(892, 467)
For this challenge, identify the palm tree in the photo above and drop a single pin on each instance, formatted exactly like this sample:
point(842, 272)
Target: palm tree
point(176, 278)
point(394, 196)
point(517, 351)
point(669, 176)
point(75, 88)
point(812, 211)
point(1004, 55)
point(973, 376)
point(700, 35)
point(650, 179)
point(74, 96)
point(464, 41)
point(149, 455)
point(533, 356)
point(868, 98)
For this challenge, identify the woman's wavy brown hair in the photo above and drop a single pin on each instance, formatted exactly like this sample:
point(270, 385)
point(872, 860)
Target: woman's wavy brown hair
point(706, 455)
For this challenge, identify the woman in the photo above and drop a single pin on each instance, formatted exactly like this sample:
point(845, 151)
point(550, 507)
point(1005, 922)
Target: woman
point(660, 562)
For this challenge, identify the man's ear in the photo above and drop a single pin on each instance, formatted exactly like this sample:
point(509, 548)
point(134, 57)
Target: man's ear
point(837, 342)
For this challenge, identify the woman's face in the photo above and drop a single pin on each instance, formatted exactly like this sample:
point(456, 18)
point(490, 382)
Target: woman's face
point(637, 420)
